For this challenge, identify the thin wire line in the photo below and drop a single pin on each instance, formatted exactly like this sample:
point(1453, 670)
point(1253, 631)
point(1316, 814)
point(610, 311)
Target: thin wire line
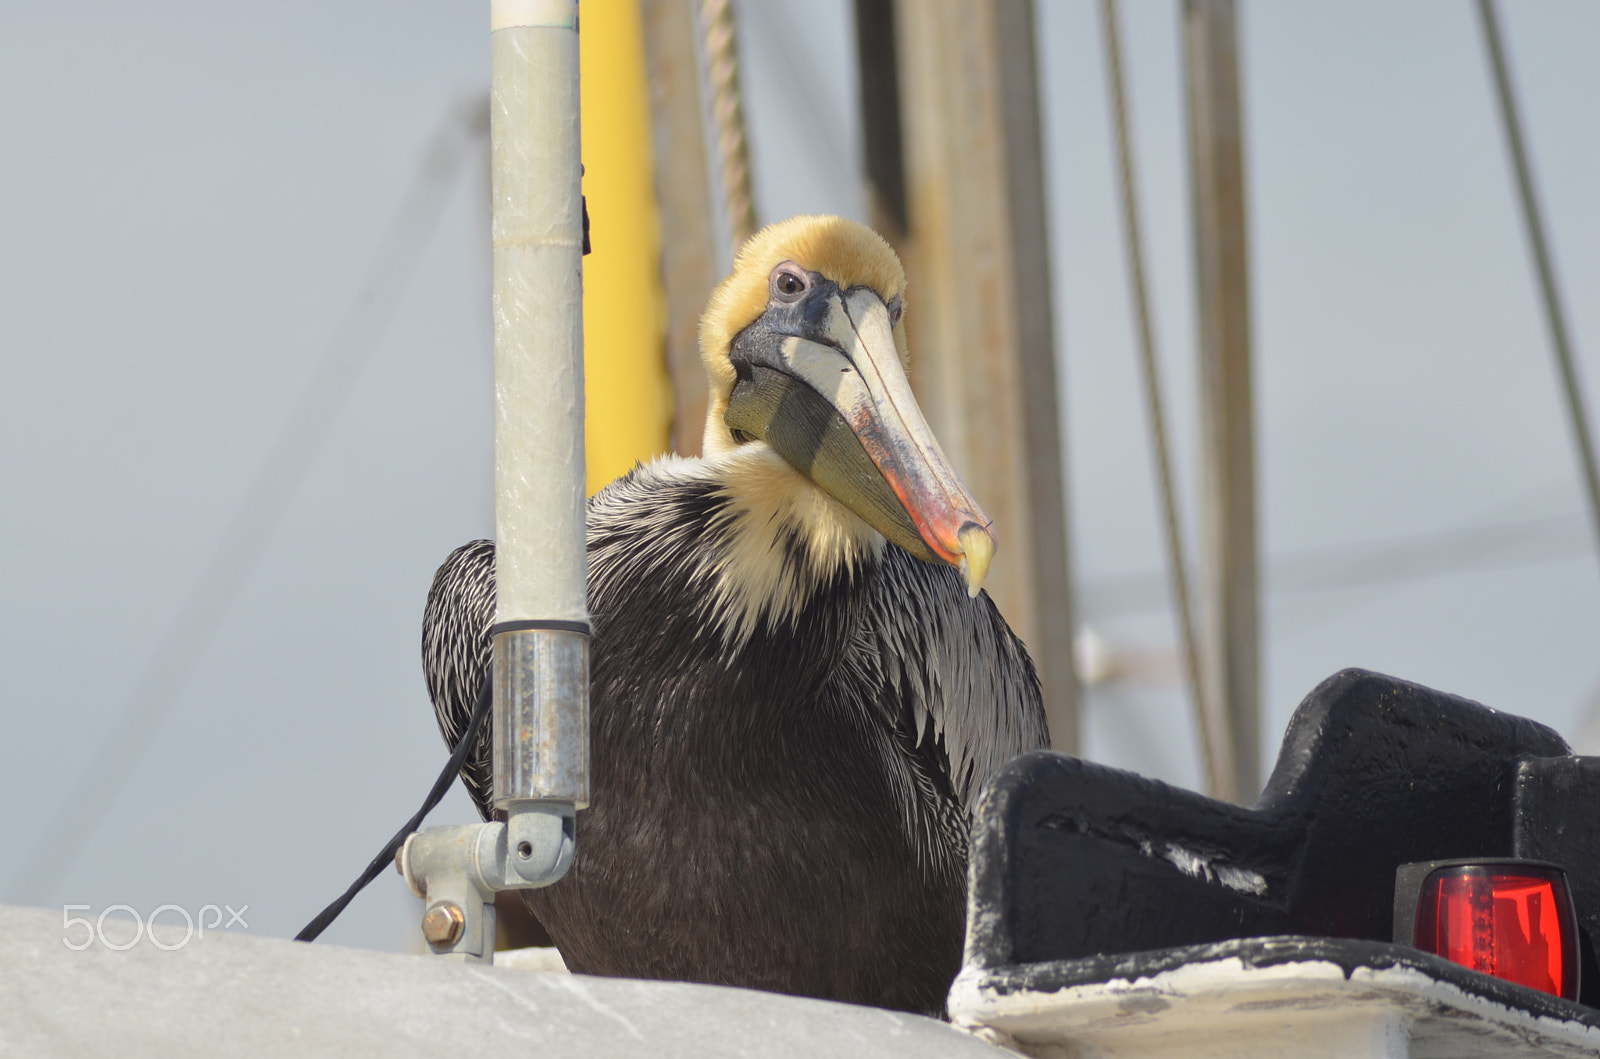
point(1215, 743)
point(1534, 222)
point(130, 736)
point(1489, 548)
point(1371, 564)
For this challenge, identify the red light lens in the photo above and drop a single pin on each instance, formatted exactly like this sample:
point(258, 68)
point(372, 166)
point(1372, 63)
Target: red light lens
point(1513, 923)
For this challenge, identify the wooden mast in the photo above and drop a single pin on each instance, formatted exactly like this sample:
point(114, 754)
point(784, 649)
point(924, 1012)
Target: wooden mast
point(955, 178)
point(1230, 584)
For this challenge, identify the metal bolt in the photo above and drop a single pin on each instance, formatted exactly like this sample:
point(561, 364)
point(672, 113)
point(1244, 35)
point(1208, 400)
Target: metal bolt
point(442, 923)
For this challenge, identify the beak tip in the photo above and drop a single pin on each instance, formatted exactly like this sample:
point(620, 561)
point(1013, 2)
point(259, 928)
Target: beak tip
point(977, 548)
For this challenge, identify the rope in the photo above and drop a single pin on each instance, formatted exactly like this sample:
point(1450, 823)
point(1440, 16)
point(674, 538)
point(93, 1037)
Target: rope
point(727, 111)
point(1541, 258)
point(1216, 746)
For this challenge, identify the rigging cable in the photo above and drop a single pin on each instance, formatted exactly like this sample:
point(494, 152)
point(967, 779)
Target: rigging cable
point(1541, 257)
point(1370, 564)
point(1215, 741)
point(131, 733)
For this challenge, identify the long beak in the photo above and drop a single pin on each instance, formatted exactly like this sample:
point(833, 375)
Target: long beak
point(865, 441)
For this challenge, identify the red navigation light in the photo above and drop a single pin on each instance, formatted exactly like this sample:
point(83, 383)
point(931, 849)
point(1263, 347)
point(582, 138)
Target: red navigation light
point(1511, 919)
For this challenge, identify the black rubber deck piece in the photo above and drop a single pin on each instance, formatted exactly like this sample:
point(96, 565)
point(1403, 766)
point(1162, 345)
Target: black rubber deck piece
point(1078, 868)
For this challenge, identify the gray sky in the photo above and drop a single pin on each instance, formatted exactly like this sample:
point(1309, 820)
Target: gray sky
point(1404, 385)
point(191, 196)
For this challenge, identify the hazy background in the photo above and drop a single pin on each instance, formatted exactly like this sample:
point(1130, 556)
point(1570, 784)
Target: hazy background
point(192, 200)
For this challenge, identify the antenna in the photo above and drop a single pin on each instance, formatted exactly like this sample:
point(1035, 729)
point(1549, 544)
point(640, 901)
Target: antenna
point(541, 632)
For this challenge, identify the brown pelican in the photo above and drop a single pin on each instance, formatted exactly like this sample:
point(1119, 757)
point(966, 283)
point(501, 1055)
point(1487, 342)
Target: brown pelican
point(797, 687)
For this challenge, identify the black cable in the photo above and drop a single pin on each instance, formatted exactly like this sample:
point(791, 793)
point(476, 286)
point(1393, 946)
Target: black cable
point(1533, 223)
point(385, 857)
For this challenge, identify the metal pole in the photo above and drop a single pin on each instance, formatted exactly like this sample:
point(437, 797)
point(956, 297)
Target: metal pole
point(684, 191)
point(541, 632)
point(541, 749)
point(1215, 745)
point(1229, 563)
point(1534, 222)
point(628, 385)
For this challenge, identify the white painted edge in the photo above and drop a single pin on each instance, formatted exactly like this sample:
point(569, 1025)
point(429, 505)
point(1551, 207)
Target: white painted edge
point(508, 14)
point(972, 1007)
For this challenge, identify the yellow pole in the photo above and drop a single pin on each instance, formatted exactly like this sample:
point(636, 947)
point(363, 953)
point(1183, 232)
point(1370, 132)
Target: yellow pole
point(628, 400)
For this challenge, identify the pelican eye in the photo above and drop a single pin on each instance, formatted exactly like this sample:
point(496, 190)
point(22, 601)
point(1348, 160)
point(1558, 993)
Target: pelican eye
point(896, 308)
point(789, 282)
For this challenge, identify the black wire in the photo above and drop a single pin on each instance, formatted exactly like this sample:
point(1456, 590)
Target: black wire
point(385, 857)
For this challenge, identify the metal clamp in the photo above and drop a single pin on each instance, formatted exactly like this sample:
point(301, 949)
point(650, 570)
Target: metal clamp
point(541, 779)
point(459, 869)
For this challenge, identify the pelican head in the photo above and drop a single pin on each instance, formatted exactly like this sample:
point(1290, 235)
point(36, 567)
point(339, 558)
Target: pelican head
point(806, 351)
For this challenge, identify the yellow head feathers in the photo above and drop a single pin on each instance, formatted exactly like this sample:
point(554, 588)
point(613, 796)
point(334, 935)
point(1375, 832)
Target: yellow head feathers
point(848, 253)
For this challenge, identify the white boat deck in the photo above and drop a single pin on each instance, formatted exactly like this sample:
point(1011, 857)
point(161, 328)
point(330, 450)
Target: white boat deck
point(235, 995)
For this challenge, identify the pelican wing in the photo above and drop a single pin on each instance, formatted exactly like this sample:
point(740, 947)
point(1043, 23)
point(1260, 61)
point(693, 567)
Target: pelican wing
point(455, 655)
point(955, 678)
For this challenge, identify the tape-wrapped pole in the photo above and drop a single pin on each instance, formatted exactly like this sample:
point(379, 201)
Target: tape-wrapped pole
point(540, 642)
